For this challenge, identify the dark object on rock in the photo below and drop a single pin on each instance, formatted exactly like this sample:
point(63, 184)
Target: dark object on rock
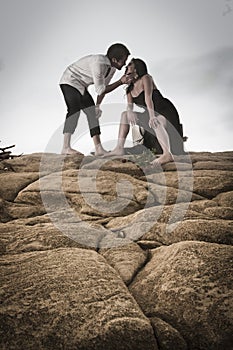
point(7, 154)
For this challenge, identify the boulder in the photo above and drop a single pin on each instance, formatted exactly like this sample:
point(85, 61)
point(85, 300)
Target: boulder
point(70, 299)
point(102, 254)
point(11, 184)
point(43, 162)
point(213, 231)
point(127, 260)
point(189, 286)
point(225, 199)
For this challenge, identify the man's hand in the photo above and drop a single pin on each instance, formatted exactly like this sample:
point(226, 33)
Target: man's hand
point(127, 78)
point(98, 112)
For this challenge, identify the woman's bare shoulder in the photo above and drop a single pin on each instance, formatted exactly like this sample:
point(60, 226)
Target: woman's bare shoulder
point(147, 77)
point(147, 80)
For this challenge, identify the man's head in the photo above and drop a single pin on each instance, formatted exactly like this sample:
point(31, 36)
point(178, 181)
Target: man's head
point(118, 54)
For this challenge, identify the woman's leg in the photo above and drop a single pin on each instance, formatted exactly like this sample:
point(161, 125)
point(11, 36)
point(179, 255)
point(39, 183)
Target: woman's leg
point(174, 128)
point(73, 102)
point(164, 142)
point(122, 134)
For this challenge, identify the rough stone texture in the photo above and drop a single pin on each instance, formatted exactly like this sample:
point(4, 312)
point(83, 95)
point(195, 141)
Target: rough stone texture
point(189, 286)
point(225, 199)
point(167, 336)
point(12, 183)
point(18, 237)
point(100, 254)
point(126, 260)
point(68, 183)
point(46, 162)
point(48, 304)
point(214, 231)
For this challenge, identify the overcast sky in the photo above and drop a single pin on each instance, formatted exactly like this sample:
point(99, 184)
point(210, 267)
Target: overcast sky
point(187, 45)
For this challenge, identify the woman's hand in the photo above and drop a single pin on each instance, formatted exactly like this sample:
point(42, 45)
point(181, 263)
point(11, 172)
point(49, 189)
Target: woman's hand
point(98, 112)
point(153, 122)
point(132, 118)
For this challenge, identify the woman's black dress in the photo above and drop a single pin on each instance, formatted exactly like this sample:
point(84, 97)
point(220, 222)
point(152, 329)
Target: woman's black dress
point(174, 129)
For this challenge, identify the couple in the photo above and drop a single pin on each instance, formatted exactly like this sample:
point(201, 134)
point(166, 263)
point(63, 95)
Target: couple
point(160, 119)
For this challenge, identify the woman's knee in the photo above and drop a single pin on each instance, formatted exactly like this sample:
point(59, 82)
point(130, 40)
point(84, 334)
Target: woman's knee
point(162, 120)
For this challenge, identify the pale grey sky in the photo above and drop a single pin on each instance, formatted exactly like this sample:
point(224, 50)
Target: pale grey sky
point(187, 45)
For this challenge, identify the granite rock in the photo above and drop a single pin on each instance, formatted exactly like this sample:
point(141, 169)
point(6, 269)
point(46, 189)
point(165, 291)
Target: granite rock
point(102, 254)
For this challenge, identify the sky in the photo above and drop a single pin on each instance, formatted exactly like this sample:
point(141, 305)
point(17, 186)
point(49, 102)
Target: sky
point(186, 44)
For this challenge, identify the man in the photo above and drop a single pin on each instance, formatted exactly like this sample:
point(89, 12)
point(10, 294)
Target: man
point(91, 69)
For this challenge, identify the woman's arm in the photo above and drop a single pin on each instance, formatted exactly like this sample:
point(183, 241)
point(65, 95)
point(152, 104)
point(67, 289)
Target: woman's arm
point(148, 90)
point(131, 116)
point(129, 102)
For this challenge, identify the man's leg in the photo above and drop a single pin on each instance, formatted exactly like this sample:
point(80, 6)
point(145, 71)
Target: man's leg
point(73, 102)
point(88, 107)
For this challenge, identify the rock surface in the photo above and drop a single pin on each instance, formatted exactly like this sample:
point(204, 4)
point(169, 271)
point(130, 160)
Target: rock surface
point(105, 255)
point(189, 286)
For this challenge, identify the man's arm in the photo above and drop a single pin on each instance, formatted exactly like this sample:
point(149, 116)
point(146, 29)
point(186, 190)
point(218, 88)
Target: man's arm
point(98, 71)
point(123, 80)
point(100, 99)
point(98, 111)
point(102, 89)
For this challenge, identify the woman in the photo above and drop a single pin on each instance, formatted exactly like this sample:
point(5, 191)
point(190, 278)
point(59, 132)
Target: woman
point(160, 118)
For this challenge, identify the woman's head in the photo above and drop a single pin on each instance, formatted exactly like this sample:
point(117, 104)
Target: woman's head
point(137, 67)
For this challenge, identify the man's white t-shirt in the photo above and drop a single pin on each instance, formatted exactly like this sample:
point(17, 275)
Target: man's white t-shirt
point(91, 69)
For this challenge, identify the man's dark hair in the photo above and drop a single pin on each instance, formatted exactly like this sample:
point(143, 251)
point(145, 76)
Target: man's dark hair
point(117, 51)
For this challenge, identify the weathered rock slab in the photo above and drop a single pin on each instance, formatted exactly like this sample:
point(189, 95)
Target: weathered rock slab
point(126, 260)
point(77, 231)
point(189, 286)
point(70, 299)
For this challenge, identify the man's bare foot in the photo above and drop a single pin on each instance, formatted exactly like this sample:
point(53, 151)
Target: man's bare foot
point(70, 150)
point(163, 159)
point(100, 151)
point(115, 152)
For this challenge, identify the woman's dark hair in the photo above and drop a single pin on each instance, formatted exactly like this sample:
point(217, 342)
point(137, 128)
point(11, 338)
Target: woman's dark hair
point(117, 51)
point(141, 69)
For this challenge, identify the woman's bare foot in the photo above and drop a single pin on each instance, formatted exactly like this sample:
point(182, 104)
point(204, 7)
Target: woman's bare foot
point(70, 150)
point(116, 152)
point(163, 159)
